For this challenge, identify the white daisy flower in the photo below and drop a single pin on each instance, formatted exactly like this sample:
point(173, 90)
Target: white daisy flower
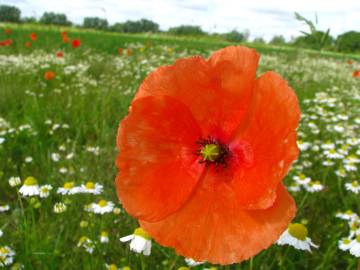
point(294, 187)
point(55, 157)
point(192, 262)
point(6, 256)
point(341, 172)
point(101, 207)
point(2, 140)
point(296, 236)
point(352, 159)
point(28, 159)
point(353, 186)
point(68, 189)
point(344, 244)
point(30, 187)
point(59, 208)
point(328, 145)
point(104, 237)
point(303, 146)
point(87, 244)
point(328, 163)
point(92, 188)
point(301, 179)
point(45, 191)
point(4, 208)
point(348, 215)
point(355, 246)
point(14, 181)
point(140, 241)
point(1, 233)
point(350, 167)
point(63, 170)
point(332, 154)
point(314, 186)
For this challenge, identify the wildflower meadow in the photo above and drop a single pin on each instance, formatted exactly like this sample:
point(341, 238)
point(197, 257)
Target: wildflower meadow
point(63, 93)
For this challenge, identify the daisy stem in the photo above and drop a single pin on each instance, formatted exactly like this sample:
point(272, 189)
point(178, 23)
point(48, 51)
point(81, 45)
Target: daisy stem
point(303, 201)
point(142, 262)
point(251, 263)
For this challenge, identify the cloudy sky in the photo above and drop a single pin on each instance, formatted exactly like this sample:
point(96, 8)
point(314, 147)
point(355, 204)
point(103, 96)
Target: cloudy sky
point(264, 18)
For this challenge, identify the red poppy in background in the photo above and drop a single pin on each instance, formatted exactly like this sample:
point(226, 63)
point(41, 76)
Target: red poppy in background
point(350, 62)
point(120, 51)
point(8, 31)
point(64, 37)
point(28, 44)
point(6, 42)
point(49, 75)
point(60, 54)
point(33, 36)
point(203, 152)
point(75, 43)
point(356, 74)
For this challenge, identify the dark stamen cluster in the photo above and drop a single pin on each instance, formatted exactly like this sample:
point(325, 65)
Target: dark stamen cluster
point(222, 157)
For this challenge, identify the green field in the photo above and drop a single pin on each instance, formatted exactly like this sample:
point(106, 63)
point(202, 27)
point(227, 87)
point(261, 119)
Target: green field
point(64, 130)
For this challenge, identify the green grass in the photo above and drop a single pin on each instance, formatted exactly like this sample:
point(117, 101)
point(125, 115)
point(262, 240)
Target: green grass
point(91, 93)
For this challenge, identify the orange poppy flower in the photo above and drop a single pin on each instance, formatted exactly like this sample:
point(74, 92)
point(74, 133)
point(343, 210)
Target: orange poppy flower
point(203, 152)
point(128, 52)
point(120, 51)
point(28, 44)
point(60, 54)
point(8, 31)
point(6, 42)
point(49, 75)
point(350, 62)
point(33, 36)
point(356, 74)
point(75, 43)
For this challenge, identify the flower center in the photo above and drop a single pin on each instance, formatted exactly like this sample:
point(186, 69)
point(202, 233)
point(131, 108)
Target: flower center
point(298, 231)
point(212, 152)
point(346, 241)
point(140, 232)
point(30, 181)
point(102, 203)
point(90, 185)
point(69, 185)
point(358, 238)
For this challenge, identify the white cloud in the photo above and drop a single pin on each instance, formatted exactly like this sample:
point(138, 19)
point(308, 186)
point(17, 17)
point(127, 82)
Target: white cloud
point(262, 17)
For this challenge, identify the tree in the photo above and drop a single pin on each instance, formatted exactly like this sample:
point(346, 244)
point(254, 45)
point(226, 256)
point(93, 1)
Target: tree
point(9, 14)
point(140, 26)
point(55, 19)
point(29, 20)
point(95, 23)
point(278, 40)
point(192, 30)
point(259, 40)
point(348, 42)
point(235, 36)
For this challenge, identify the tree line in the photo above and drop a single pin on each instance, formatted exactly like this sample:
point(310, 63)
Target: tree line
point(315, 39)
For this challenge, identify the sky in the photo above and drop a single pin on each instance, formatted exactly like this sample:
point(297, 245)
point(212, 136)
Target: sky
point(263, 18)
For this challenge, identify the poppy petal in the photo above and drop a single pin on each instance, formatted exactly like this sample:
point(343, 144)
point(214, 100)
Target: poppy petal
point(217, 91)
point(224, 233)
point(158, 167)
point(271, 134)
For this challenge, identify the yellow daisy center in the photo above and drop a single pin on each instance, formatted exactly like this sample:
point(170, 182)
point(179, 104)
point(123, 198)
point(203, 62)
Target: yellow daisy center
point(298, 231)
point(69, 185)
point(4, 251)
point(355, 183)
point(346, 241)
point(90, 185)
point(126, 268)
point(102, 203)
point(30, 181)
point(210, 152)
point(112, 267)
point(140, 232)
point(183, 268)
point(104, 234)
point(349, 212)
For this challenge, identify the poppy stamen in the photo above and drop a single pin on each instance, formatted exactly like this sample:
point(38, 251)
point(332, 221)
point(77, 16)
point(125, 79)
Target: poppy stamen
point(212, 152)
